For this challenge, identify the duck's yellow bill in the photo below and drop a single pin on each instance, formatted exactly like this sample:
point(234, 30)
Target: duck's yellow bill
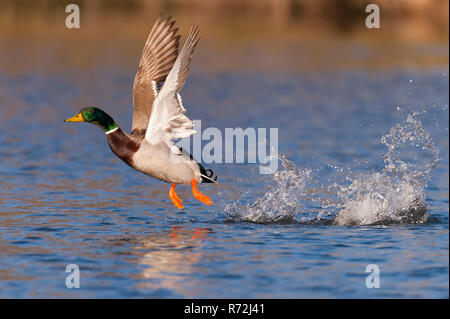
point(76, 118)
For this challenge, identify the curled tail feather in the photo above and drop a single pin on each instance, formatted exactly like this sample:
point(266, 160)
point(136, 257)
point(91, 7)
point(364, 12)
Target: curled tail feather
point(207, 175)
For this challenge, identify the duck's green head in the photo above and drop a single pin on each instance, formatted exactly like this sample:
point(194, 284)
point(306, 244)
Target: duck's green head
point(95, 116)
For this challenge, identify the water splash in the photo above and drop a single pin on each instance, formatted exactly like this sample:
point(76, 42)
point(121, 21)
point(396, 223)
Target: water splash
point(393, 195)
point(396, 194)
point(281, 203)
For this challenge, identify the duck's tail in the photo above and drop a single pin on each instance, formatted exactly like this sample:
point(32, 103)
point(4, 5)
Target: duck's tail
point(207, 175)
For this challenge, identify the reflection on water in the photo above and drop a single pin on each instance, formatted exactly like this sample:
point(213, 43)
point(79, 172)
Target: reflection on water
point(170, 258)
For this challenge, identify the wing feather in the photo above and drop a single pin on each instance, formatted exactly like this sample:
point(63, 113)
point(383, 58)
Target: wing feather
point(167, 120)
point(158, 56)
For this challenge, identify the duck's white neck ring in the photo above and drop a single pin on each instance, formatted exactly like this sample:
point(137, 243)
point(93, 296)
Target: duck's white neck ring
point(112, 131)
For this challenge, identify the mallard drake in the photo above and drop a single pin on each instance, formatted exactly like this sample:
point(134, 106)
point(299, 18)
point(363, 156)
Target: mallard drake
point(158, 115)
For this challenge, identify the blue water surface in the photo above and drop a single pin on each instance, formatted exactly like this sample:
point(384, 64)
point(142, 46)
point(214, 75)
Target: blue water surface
point(66, 199)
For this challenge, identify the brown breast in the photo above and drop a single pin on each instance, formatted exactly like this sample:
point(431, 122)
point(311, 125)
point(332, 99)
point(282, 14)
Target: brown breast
point(123, 145)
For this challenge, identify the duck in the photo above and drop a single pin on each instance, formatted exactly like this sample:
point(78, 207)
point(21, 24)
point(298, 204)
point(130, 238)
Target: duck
point(158, 115)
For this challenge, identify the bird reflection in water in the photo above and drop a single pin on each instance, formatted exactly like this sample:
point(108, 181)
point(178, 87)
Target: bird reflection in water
point(170, 258)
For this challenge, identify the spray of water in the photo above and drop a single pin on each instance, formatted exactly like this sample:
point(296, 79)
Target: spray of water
point(281, 203)
point(396, 194)
point(393, 195)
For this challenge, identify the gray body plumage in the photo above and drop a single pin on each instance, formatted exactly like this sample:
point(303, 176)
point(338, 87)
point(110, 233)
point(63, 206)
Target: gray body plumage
point(155, 160)
point(158, 161)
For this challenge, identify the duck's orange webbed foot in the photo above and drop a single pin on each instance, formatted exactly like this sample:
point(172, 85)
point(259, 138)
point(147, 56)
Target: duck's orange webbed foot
point(174, 197)
point(201, 197)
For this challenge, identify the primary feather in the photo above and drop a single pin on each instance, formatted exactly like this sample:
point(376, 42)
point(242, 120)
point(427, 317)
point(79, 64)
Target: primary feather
point(158, 57)
point(167, 119)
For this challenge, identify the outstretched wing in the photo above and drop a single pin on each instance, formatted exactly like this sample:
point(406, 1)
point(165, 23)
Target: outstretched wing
point(167, 120)
point(158, 57)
